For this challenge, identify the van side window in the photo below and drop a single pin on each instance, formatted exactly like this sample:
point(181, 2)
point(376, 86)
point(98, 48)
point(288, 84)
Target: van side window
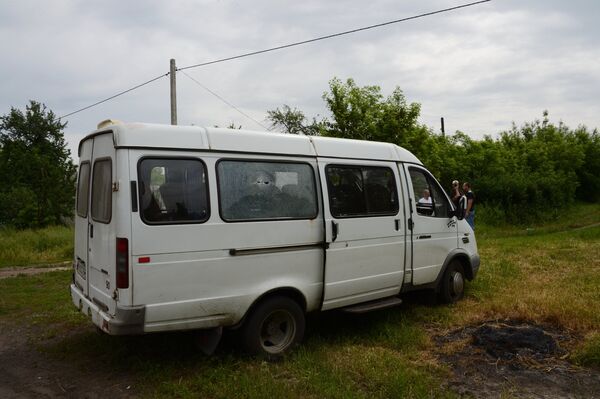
point(361, 191)
point(102, 191)
point(252, 190)
point(83, 189)
point(173, 191)
point(429, 198)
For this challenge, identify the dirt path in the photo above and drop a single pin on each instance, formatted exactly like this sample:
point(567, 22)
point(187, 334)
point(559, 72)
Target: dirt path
point(7, 272)
point(26, 372)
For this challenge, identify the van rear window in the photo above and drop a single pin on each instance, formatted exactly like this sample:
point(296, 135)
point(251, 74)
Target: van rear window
point(83, 189)
point(102, 190)
point(173, 191)
point(253, 190)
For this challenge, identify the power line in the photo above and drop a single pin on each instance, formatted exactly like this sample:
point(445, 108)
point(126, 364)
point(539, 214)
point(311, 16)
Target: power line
point(114, 96)
point(273, 49)
point(224, 100)
point(316, 39)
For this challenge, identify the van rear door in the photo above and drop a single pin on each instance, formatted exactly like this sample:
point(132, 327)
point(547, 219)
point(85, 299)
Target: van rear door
point(81, 217)
point(102, 232)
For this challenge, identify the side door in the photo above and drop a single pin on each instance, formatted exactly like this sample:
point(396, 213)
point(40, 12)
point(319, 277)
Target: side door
point(102, 234)
point(81, 217)
point(364, 233)
point(434, 233)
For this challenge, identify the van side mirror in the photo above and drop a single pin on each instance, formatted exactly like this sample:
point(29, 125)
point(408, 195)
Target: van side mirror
point(456, 212)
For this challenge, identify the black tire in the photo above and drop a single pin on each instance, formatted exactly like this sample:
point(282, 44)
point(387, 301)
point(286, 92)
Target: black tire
point(273, 328)
point(452, 286)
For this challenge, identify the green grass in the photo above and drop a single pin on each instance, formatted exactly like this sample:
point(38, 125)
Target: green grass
point(35, 247)
point(42, 300)
point(589, 353)
point(550, 275)
point(579, 215)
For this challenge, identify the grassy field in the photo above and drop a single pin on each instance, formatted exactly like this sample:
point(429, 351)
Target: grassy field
point(35, 247)
point(547, 274)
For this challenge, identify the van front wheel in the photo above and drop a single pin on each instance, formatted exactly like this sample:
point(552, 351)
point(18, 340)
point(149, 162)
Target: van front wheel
point(452, 286)
point(273, 328)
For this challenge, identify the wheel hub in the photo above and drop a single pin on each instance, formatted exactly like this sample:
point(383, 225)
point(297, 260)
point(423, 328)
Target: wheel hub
point(278, 331)
point(457, 283)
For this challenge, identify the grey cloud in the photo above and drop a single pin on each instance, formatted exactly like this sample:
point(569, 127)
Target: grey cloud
point(480, 68)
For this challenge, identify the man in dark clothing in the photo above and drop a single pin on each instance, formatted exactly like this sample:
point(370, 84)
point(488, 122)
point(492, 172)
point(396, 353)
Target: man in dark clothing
point(470, 212)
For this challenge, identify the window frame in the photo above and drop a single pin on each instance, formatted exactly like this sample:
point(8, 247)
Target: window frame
point(171, 222)
point(360, 167)
point(430, 179)
point(91, 210)
point(258, 160)
point(77, 202)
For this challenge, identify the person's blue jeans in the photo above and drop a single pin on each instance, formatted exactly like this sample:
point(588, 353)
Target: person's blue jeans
point(471, 219)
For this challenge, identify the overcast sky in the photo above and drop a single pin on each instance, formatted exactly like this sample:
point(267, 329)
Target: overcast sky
point(481, 67)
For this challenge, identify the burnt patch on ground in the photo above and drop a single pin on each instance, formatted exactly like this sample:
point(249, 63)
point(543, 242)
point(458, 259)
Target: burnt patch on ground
point(516, 359)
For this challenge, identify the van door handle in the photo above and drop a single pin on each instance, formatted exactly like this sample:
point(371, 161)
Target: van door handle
point(397, 224)
point(423, 237)
point(334, 230)
point(91, 230)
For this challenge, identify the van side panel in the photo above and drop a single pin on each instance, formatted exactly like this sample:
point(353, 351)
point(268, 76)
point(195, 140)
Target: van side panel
point(200, 275)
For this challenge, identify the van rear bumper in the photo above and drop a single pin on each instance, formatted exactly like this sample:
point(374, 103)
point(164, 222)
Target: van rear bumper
point(126, 321)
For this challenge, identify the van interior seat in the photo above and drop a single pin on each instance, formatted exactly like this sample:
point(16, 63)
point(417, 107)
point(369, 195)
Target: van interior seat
point(195, 196)
point(172, 192)
point(379, 197)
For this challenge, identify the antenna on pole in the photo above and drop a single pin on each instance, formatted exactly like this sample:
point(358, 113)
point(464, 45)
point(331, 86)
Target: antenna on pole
point(172, 75)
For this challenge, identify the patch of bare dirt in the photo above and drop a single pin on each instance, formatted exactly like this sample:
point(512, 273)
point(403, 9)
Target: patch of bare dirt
point(27, 373)
point(517, 359)
point(7, 272)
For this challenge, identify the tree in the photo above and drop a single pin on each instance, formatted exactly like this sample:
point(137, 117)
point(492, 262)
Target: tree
point(293, 121)
point(363, 113)
point(37, 176)
point(526, 173)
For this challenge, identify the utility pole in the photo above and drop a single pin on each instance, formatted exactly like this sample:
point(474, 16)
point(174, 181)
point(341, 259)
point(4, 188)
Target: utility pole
point(443, 130)
point(172, 74)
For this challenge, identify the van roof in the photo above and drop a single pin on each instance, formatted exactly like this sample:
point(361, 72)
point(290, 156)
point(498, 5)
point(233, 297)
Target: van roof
point(146, 135)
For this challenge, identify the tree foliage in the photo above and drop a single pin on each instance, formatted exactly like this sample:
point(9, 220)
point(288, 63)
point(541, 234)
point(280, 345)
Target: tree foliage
point(293, 121)
point(525, 173)
point(37, 176)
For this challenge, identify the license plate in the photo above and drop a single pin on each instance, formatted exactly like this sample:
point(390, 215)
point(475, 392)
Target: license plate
point(81, 268)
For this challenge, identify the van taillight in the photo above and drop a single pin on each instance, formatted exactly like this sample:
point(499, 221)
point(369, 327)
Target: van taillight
point(122, 263)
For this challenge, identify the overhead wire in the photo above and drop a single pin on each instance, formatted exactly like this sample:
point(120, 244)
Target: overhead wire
point(316, 39)
point(224, 100)
point(115, 95)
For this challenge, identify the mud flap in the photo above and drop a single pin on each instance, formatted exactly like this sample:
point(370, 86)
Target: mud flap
point(208, 340)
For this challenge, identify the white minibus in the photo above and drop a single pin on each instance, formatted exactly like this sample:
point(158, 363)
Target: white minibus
point(180, 228)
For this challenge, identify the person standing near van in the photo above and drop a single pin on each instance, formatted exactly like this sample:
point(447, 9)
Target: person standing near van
point(456, 194)
point(459, 200)
point(470, 212)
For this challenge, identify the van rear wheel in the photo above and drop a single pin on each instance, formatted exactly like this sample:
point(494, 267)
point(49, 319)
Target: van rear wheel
point(273, 328)
point(452, 286)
